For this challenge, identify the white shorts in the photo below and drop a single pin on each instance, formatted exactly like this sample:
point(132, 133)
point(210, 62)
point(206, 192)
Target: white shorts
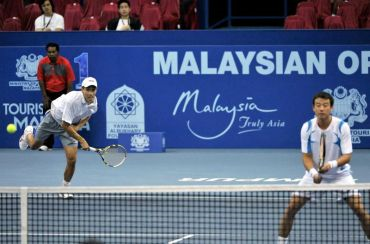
point(307, 180)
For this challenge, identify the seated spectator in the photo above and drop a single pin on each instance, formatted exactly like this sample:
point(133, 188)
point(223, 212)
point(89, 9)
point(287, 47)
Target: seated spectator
point(124, 22)
point(49, 20)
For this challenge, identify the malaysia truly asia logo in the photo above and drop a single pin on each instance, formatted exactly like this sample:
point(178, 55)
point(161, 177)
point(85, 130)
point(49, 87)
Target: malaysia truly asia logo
point(257, 120)
point(350, 106)
point(26, 68)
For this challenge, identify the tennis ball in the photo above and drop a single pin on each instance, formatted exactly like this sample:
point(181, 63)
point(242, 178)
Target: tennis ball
point(11, 128)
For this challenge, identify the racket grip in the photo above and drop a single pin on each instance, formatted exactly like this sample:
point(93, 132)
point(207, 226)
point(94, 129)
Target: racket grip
point(93, 149)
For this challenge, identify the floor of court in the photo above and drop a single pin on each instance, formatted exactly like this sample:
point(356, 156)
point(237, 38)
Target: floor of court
point(173, 167)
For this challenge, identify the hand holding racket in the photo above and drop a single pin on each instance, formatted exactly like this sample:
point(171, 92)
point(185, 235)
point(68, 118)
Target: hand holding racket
point(112, 156)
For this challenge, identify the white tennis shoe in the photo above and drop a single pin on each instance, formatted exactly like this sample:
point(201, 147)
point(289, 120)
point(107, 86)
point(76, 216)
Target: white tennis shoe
point(23, 144)
point(44, 148)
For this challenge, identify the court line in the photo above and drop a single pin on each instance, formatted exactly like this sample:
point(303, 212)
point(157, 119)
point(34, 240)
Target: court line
point(181, 239)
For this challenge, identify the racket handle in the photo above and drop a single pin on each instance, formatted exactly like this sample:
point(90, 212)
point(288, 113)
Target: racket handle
point(93, 149)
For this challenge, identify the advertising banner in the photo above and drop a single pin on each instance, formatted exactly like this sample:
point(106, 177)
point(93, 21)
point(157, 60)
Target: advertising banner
point(216, 96)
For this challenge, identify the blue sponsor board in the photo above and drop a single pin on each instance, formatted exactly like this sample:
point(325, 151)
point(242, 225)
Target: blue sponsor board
point(206, 96)
point(143, 142)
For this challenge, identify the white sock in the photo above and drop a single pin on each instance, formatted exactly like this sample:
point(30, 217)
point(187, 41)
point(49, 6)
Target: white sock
point(66, 183)
point(282, 240)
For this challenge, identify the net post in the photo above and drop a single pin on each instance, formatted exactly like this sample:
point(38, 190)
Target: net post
point(24, 214)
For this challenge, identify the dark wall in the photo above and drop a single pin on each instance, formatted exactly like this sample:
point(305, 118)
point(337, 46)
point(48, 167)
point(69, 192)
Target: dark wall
point(259, 14)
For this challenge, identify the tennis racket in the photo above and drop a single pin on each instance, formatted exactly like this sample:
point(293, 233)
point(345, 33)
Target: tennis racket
point(112, 156)
point(322, 150)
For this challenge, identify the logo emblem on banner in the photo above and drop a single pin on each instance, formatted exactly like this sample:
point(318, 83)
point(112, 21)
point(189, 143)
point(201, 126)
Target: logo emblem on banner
point(125, 112)
point(140, 142)
point(27, 69)
point(350, 105)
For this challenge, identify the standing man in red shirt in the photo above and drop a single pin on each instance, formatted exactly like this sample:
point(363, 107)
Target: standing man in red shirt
point(56, 76)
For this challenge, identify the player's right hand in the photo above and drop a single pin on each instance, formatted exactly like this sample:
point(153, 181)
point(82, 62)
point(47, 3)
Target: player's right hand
point(325, 168)
point(84, 145)
point(317, 178)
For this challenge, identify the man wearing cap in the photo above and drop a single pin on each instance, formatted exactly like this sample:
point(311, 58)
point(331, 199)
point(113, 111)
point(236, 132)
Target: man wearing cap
point(68, 113)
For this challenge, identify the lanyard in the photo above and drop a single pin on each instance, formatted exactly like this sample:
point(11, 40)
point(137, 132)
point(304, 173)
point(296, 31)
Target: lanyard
point(49, 20)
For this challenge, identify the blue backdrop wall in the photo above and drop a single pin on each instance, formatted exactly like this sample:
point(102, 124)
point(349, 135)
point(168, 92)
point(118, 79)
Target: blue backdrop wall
point(207, 89)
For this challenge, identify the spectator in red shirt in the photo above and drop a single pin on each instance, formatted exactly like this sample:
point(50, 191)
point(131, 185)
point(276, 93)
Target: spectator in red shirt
point(56, 76)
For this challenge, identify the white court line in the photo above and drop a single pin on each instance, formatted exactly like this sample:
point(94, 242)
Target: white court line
point(181, 239)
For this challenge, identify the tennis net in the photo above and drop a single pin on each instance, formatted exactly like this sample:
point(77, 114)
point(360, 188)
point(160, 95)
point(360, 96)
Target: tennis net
point(183, 214)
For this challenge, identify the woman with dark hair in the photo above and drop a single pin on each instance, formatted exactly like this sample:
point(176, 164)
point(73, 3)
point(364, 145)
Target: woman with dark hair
point(124, 22)
point(49, 21)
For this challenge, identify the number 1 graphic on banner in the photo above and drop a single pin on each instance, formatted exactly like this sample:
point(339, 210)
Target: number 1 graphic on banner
point(83, 69)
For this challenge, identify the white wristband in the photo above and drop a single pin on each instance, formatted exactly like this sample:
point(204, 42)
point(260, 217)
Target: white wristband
point(333, 163)
point(313, 172)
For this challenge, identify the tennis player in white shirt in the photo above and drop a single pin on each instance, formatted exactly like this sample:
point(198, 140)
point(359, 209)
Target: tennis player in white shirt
point(336, 168)
point(68, 113)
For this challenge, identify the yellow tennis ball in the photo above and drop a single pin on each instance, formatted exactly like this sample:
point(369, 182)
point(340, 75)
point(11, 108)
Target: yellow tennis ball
point(11, 128)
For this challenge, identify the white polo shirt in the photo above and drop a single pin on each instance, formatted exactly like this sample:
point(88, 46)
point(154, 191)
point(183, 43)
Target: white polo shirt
point(72, 107)
point(52, 22)
point(338, 142)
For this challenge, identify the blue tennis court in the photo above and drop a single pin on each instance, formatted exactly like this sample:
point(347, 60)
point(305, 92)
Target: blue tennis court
point(181, 196)
point(174, 167)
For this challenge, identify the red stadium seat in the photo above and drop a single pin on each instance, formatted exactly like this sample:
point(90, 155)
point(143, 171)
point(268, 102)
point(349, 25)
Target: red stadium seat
point(90, 23)
point(12, 24)
point(307, 11)
point(364, 14)
point(151, 17)
point(189, 14)
point(31, 12)
point(13, 8)
point(108, 12)
point(1, 16)
point(170, 10)
point(93, 8)
point(59, 6)
point(323, 9)
point(359, 4)
point(72, 16)
point(135, 8)
point(367, 25)
point(111, 1)
point(293, 22)
point(347, 10)
point(333, 22)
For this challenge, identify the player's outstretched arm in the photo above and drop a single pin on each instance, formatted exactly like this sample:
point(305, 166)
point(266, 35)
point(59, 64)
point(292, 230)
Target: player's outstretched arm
point(73, 133)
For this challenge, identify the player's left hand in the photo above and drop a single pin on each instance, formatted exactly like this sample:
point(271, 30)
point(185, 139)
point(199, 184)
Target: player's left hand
point(317, 178)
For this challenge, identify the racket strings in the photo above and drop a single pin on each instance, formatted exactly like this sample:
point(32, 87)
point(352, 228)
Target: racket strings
point(114, 155)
